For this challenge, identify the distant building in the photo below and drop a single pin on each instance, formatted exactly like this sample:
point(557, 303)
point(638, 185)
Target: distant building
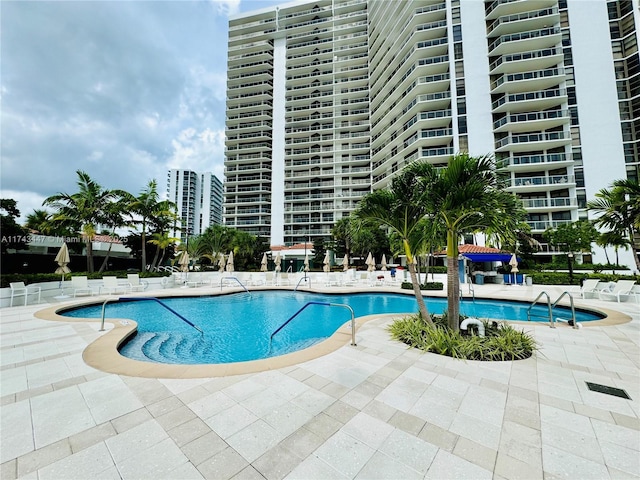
point(199, 200)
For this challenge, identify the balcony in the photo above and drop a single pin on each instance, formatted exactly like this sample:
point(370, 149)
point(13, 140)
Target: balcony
point(523, 81)
point(540, 226)
point(527, 161)
point(500, 8)
point(522, 184)
point(528, 101)
point(519, 22)
point(526, 61)
point(532, 40)
point(523, 122)
point(533, 141)
point(561, 203)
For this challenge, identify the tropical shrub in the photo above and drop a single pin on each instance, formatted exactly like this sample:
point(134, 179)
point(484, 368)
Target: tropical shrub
point(501, 341)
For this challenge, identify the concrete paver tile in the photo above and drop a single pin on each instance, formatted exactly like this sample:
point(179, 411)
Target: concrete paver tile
point(254, 440)
point(381, 466)
point(409, 450)
point(223, 465)
point(188, 431)
point(447, 465)
point(313, 468)
point(345, 453)
point(566, 465)
point(276, 463)
point(87, 463)
point(203, 447)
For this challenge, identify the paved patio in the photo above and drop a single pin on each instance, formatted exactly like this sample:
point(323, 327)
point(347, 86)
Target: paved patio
point(376, 411)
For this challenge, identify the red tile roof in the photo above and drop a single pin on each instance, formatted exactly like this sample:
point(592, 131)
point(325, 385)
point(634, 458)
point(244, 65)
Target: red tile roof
point(297, 246)
point(468, 248)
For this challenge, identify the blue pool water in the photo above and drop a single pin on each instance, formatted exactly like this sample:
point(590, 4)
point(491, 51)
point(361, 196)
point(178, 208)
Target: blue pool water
point(238, 327)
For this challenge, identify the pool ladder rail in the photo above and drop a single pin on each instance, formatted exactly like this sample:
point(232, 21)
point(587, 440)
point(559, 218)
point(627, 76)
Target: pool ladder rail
point(324, 304)
point(550, 306)
point(154, 299)
point(236, 279)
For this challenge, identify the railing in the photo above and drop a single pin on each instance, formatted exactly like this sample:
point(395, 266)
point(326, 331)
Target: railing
point(551, 324)
point(233, 278)
point(325, 304)
point(571, 322)
point(146, 298)
point(306, 279)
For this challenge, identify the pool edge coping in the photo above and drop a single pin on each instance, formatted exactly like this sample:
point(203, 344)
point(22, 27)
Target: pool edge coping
point(103, 354)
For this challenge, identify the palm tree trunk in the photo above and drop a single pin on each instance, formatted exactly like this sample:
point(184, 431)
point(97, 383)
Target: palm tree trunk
point(106, 259)
point(453, 282)
point(635, 249)
point(89, 244)
point(422, 307)
point(143, 238)
point(155, 259)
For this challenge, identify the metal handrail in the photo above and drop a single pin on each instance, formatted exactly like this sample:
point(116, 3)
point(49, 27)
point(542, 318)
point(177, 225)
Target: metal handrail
point(301, 279)
point(146, 298)
point(325, 304)
point(548, 305)
point(236, 279)
point(573, 310)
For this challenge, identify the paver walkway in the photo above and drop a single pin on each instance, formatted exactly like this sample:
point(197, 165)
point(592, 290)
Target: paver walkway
point(376, 411)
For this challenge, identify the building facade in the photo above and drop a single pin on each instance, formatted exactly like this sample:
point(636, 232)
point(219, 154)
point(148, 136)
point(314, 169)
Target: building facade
point(328, 99)
point(198, 197)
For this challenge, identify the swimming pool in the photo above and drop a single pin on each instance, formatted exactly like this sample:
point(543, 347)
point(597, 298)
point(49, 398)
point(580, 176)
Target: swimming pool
point(238, 327)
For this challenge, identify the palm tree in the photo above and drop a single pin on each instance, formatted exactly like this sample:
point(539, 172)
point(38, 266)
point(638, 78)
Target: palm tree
point(619, 211)
point(115, 217)
point(615, 240)
point(466, 197)
point(85, 208)
point(400, 209)
point(150, 210)
point(162, 241)
point(40, 221)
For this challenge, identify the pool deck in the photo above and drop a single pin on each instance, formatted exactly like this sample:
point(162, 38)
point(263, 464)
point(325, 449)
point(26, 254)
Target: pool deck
point(377, 410)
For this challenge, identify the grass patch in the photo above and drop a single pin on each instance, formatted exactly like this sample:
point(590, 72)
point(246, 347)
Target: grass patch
point(501, 341)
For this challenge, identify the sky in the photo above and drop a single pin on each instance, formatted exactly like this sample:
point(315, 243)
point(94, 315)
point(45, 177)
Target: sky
point(123, 90)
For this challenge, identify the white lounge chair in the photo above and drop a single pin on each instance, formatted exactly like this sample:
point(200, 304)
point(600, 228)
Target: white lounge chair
point(80, 286)
point(110, 285)
point(635, 293)
point(19, 289)
point(591, 288)
point(621, 289)
point(135, 284)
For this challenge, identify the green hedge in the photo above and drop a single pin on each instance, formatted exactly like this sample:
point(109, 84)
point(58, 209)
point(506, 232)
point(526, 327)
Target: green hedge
point(424, 286)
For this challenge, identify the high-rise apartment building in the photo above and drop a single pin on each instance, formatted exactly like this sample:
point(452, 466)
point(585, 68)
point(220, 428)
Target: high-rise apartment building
point(198, 197)
point(328, 99)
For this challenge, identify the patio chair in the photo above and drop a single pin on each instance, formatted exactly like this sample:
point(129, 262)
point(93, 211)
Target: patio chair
point(80, 286)
point(135, 284)
point(111, 286)
point(284, 279)
point(590, 288)
point(621, 289)
point(635, 293)
point(19, 289)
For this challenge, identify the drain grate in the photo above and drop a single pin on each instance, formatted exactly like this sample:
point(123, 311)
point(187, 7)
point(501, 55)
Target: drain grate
point(616, 392)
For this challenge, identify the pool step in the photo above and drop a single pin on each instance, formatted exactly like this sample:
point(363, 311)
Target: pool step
point(151, 347)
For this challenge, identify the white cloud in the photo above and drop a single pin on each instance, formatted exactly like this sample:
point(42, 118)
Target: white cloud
point(198, 151)
point(226, 7)
point(27, 202)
